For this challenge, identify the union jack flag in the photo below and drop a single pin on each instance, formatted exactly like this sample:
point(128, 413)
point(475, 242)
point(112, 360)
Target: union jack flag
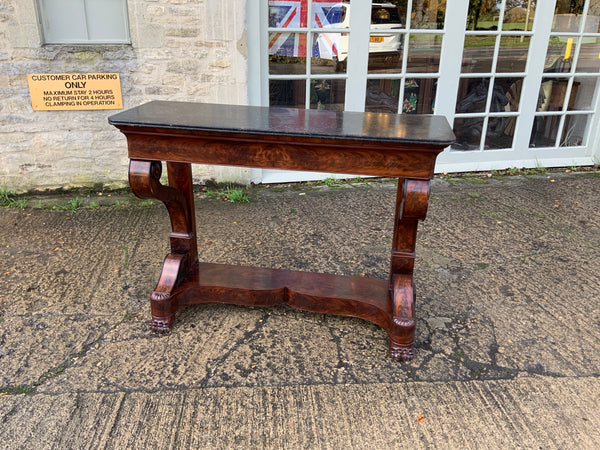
point(294, 14)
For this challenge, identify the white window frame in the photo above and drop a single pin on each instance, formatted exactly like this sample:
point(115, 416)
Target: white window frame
point(520, 155)
point(77, 21)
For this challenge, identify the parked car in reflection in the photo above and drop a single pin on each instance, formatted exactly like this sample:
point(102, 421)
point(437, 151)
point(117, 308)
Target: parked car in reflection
point(384, 45)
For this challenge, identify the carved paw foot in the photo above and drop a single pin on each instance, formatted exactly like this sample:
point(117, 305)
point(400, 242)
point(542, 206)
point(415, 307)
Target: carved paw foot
point(401, 352)
point(161, 326)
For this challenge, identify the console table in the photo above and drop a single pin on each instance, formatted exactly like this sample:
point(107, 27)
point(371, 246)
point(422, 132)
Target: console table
point(387, 145)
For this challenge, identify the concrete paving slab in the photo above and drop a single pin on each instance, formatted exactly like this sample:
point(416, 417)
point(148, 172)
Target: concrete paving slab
point(532, 412)
point(507, 336)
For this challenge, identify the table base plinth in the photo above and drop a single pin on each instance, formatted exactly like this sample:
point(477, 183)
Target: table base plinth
point(366, 298)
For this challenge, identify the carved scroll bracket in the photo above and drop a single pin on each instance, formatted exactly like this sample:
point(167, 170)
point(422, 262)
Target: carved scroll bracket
point(411, 206)
point(402, 331)
point(144, 178)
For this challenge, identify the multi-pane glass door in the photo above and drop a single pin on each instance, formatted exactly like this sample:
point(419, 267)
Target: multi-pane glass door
point(308, 53)
point(312, 41)
point(517, 79)
point(568, 89)
point(406, 83)
point(493, 66)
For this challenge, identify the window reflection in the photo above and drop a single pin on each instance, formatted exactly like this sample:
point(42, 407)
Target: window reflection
point(552, 94)
point(424, 53)
point(583, 94)
point(382, 96)
point(513, 52)
point(519, 15)
point(509, 89)
point(500, 132)
point(559, 56)
point(472, 95)
point(589, 55)
point(328, 16)
point(419, 96)
point(567, 15)
point(483, 15)
point(290, 93)
point(331, 50)
point(327, 94)
point(385, 38)
point(545, 130)
point(478, 52)
point(287, 53)
point(574, 130)
point(592, 21)
point(468, 133)
point(428, 15)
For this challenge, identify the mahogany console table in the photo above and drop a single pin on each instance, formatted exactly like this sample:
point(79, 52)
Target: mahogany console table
point(387, 145)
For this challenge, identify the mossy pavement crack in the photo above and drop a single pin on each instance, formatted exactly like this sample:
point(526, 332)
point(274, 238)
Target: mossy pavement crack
point(343, 367)
point(213, 363)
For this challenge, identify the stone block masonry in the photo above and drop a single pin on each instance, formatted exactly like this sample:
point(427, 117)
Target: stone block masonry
point(188, 50)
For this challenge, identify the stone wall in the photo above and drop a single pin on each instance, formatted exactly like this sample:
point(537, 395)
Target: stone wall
point(191, 50)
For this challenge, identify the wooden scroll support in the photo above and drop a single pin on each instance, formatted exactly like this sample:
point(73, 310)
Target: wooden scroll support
point(411, 206)
point(144, 178)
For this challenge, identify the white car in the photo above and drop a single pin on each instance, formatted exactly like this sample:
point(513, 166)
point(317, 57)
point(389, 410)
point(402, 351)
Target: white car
point(382, 45)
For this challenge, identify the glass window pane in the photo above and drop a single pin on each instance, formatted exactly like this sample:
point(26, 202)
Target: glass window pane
point(478, 53)
point(483, 15)
point(592, 21)
point(545, 130)
point(428, 15)
point(512, 55)
point(382, 96)
point(385, 41)
point(287, 53)
point(519, 17)
point(287, 93)
point(330, 15)
point(472, 95)
point(402, 9)
point(552, 94)
point(330, 52)
point(327, 94)
point(385, 52)
point(574, 130)
point(107, 20)
point(567, 15)
point(583, 94)
point(424, 53)
point(386, 16)
point(500, 132)
point(589, 55)
point(468, 133)
point(559, 55)
point(64, 21)
point(543, 133)
point(419, 95)
point(286, 15)
point(506, 94)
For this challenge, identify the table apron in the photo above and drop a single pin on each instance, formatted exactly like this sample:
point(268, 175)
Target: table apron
point(349, 157)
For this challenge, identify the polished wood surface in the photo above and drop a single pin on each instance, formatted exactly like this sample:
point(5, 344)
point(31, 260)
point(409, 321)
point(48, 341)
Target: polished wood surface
point(379, 144)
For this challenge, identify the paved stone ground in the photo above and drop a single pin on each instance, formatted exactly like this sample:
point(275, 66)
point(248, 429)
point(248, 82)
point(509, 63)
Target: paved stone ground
point(507, 337)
